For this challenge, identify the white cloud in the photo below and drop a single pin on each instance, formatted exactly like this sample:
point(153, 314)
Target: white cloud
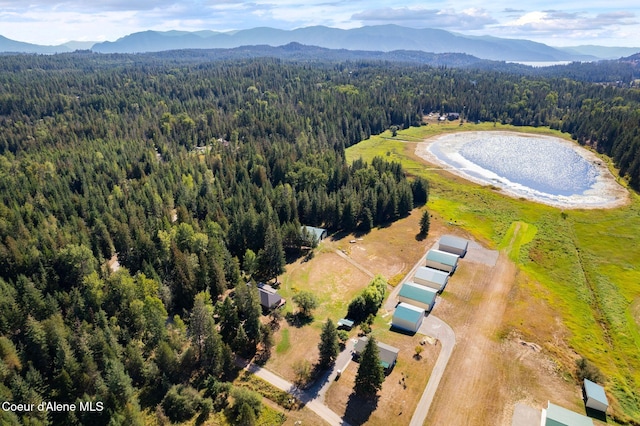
point(50, 21)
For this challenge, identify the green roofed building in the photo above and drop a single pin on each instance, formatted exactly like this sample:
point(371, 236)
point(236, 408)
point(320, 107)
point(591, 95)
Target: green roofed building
point(318, 234)
point(407, 317)
point(442, 261)
point(418, 295)
point(555, 415)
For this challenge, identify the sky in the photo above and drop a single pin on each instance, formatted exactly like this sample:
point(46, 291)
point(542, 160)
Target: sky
point(553, 22)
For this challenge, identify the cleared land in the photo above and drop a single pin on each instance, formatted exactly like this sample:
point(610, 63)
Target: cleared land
point(574, 293)
point(390, 251)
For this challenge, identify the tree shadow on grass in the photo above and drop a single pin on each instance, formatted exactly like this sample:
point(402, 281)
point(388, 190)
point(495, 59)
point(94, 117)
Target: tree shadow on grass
point(421, 237)
point(359, 409)
point(298, 320)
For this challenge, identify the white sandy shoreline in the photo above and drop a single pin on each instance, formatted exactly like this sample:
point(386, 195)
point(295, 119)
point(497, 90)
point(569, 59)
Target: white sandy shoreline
point(606, 192)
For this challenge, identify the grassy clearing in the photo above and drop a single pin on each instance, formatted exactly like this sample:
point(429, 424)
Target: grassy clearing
point(582, 263)
point(518, 234)
point(283, 345)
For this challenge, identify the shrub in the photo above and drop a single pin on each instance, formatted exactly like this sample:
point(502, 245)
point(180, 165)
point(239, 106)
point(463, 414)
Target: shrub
point(182, 402)
point(587, 370)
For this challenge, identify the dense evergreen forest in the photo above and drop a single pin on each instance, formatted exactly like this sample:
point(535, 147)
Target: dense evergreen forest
point(197, 176)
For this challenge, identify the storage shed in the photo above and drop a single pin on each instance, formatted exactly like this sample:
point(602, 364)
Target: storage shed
point(442, 260)
point(418, 295)
point(431, 278)
point(407, 317)
point(594, 396)
point(454, 245)
point(555, 415)
point(345, 323)
point(388, 354)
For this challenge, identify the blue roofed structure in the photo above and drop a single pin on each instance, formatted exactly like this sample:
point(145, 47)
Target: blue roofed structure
point(555, 415)
point(441, 260)
point(407, 317)
point(418, 295)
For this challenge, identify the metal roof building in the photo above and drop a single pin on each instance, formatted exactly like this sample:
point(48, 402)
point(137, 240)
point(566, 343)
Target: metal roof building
point(555, 415)
point(319, 234)
point(454, 245)
point(407, 317)
point(418, 295)
point(388, 354)
point(442, 260)
point(595, 397)
point(269, 298)
point(431, 278)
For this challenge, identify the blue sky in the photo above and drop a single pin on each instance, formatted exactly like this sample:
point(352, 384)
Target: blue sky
point(557, 23)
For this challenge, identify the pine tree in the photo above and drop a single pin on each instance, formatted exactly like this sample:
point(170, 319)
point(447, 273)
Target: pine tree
point(271, 259)
point(329, 347)
point(424, 223)
point(370, 373)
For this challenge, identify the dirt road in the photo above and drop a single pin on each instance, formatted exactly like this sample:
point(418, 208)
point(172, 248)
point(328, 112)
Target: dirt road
point(469, 391)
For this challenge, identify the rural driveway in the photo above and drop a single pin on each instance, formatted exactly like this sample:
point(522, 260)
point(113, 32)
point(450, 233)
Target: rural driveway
point(434, 327)
point(311, 400)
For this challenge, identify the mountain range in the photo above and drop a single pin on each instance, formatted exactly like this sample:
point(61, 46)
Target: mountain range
point(383, 38)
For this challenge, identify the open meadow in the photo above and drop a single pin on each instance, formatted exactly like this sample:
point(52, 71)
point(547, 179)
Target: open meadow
point(575, 291)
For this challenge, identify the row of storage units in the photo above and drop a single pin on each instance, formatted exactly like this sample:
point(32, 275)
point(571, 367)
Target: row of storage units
point(419, 296)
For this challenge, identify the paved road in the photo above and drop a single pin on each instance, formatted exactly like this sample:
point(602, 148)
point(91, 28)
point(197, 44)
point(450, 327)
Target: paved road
point(309, 398)
point(322, 385)
point(434, 327)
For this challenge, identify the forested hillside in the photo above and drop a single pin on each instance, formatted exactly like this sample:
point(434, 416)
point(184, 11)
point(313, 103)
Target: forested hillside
point(195, 176)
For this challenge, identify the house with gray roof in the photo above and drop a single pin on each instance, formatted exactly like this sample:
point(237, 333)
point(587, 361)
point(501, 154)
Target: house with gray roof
point(388, 354)
point(269, 297)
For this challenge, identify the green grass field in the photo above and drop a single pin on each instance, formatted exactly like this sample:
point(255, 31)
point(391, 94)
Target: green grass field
point(586, 260)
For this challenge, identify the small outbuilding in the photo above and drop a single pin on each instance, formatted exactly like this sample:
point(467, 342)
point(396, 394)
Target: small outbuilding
point(407, 317)
point(594, 396)
point(388, 354)
point(345, 323)
point(454, 245)
point(430, 277)
point(555, 415)
point(442, 261)
point(418, 295)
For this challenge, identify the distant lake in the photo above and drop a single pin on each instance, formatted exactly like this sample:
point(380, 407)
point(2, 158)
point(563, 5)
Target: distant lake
point(537, 64)
point(544, 168)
